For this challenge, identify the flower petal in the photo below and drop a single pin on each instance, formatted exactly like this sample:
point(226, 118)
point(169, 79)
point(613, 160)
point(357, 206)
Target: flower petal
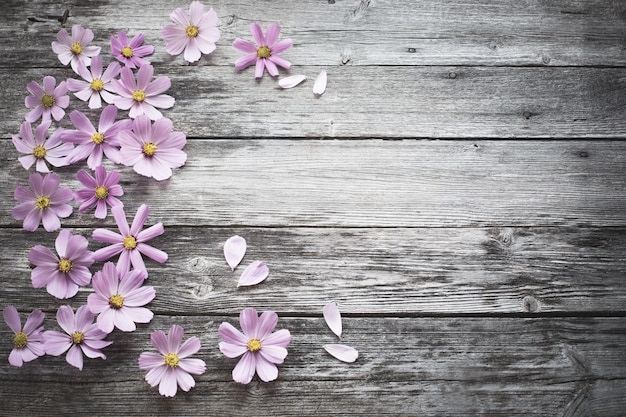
point(342, 352)
point(244, 370)
point(292, 81)
point(333, 318)
point(255, 273)
point(320, 84)
point(234, 251)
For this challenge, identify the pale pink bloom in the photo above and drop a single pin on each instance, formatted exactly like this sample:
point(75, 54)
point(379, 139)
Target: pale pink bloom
point(40, 148)
point(332, 316)
point(101, 192)
point(94, 143)
point(82, 336)
point(75, 48)
point(152, 149)
point(264, 51)
point(130, 53)
point(255, 273)
point(43, 203)
point(27, 342)
point(261, 349)
point(142, 96)
point(195, 33)
point(234, 251)
point(62, 274)
point(172, 367)
point(342, 352)
point(47, 102)
point(95, 85)
point(119, 299)
point(130, 243)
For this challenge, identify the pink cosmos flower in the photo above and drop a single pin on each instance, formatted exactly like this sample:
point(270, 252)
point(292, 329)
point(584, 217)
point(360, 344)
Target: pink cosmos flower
point(142, 96)
point(95, 85)
point(43, 203)
point(195, 33)
point(130, 243)
point(75, 48)
point(82, 336)
point(94, 143)
point(41, 148)
point(264, 51)
point(172, 367)
point(261, 349)
point(119, 299)
point(27, 342)
point(130, 53)
point(47, 102)
point(101, 191)
point(63, 274)
point(152, 149)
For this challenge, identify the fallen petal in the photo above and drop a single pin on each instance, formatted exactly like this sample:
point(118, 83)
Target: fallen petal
point(234, 251)
point(342, 352)
point(255, 273)
point(320, 84)
point(333, 318)
point(291, 81)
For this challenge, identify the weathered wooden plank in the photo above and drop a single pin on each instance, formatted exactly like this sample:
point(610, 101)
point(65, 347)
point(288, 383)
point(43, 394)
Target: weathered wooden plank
point(334, 33)
point(371, 183)
point(407, 367)
point(396, 102)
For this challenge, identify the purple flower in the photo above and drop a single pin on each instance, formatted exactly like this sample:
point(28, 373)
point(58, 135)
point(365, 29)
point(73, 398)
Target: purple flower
point(63, 274)
point(82, 336)
point(130, 243)
point(101, 191)
point(152, 149)
point(76, 48)
point(264, 51)
point(43, 202)
point(195, 33)
point(95, 85)
point(142, 96)
point(130, 53)
point(119, 299)
point(41, 148)
point(261, 349)
point(27, 342)
point(92, 143)
point(47, 102)
point(172, 367)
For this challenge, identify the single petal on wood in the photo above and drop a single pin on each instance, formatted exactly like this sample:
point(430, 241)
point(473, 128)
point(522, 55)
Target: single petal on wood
point(255, 273)
point(234, 251)
point(333, 318)
point(291, 81)
point(320, 84)
point(342, 352)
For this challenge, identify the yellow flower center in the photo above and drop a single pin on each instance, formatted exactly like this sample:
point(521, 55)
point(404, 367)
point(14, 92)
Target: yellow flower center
point(76, 48)
point(149, 149)
point(130, 242)
point(97, 138)
point(65, 265)
point(116, 301)
point(192, 31)
point(139, 95)
point(171, 360)
point(263, 52)
point(78, 337)
point(97, 85)
point(39, 151)
point(42, 202)
point(101, 192)
point(127, 51)
point(254, 345)
point(20, 340)
point(47, 100)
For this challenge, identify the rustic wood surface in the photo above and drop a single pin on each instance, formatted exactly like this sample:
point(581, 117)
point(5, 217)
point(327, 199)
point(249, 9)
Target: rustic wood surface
point(459, 191)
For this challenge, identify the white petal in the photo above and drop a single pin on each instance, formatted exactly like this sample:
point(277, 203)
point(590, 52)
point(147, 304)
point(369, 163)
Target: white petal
point(291, 81)
point(320, 84)
point(333, 318)
point(342, 352)
point(255, 273)
point(234, 251)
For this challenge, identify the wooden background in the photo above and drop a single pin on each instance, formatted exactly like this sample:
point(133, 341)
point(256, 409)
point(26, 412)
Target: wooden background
point(459, 191)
